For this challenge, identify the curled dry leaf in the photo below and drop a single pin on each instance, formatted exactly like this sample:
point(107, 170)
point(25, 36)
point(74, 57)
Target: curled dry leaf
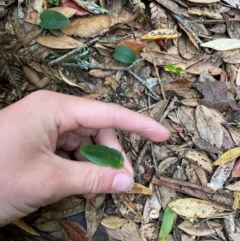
point(113, 222)
point(195, 208)
point(140, 189)
point(198, 230)
point(62, 42)
point(162, 33)
point(88, 27)
point(133, 44)
point(200, 158)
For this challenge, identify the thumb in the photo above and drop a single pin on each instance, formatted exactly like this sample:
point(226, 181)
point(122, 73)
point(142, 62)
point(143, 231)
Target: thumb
point(86, 177)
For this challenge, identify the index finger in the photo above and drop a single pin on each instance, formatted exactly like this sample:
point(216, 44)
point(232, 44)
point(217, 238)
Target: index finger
point(74, 112)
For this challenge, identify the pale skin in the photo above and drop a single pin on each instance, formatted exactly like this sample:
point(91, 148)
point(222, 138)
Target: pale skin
point(44, 123)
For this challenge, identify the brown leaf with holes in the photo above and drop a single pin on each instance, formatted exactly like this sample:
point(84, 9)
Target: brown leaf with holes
point(215, 96)
point(88, 27)
point(74, 230)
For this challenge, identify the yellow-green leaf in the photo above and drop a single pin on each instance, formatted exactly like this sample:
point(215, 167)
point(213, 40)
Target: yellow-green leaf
point(228, 156)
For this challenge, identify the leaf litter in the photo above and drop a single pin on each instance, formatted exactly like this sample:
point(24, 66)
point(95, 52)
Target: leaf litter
point(199, 104)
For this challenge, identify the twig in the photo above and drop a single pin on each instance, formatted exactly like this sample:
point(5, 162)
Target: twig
point(74, 51)
point(160, 82)
point(145, 146)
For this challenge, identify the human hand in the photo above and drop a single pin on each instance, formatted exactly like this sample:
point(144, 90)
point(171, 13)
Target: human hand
point(34, 128)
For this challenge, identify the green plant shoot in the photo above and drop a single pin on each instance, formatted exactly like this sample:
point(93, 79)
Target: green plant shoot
point(103, 156)
point(171, 68)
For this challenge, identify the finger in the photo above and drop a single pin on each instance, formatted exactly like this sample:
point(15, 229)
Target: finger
point(73, 142)
point(107, 137)
point(70, 113)
point(87, 178)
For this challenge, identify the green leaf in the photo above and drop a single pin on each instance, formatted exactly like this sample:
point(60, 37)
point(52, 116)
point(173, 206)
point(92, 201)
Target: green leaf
point(103, 156)
point(55, 2)
point(53, 20)
point(170, 68)
point(124, 54)
point(58, 81)
point(178, 70)
point(168, 219)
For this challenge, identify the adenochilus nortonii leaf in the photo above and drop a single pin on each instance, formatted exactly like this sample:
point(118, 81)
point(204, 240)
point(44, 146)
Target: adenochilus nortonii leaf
point(103, 156)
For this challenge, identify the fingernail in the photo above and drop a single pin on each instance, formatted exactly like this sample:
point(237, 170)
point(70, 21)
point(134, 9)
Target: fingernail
point(122, 182)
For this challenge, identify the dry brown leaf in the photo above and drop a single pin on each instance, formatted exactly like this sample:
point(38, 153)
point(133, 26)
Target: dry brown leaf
point(187, 118)
point(204, 1)
point(88, 27)
point(162, 33)
point(209, 128)
point(74, 230)
point(26, 228)
point(199, 158)
point(62, 42)
point(140, 189)
point(205, 67)
point(113, 222)
point(183, 83)
point(220, 176)
point(195, 208)
point(198, 230)
point(93, 212)
point(67, 12)
point(131, 232)
point(126, 209)
point(133, 44)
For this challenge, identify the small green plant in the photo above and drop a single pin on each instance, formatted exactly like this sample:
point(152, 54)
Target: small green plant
point(103, 156)
point(53, 20)
point(55, 2)
point(124, 54)
point(167, 223)
point(171, 68)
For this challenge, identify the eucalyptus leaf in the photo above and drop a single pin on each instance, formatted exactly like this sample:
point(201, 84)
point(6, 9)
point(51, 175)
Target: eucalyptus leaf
point(103, 156)
point(124, 54)
point(53, 20)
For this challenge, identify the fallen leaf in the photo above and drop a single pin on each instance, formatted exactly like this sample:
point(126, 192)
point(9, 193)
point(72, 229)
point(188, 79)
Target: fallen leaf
point(74, 230)
point(236, 169)
point(164, 33)
point(140, 189)
point(167, 223)
point(67, 12)
point(198, 230)
point(131, 232)
point(113, 222)
point(195, 208)
point(133, 44)
point(222, 44)
point(88, 27)
point(25, 227)
point(234, 187)
point(228, 156)
point(209, 128)
point(199, 158)
point(79, 11)
point(62, 42)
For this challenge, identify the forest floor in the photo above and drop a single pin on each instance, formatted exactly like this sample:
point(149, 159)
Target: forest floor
point(177, 61)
